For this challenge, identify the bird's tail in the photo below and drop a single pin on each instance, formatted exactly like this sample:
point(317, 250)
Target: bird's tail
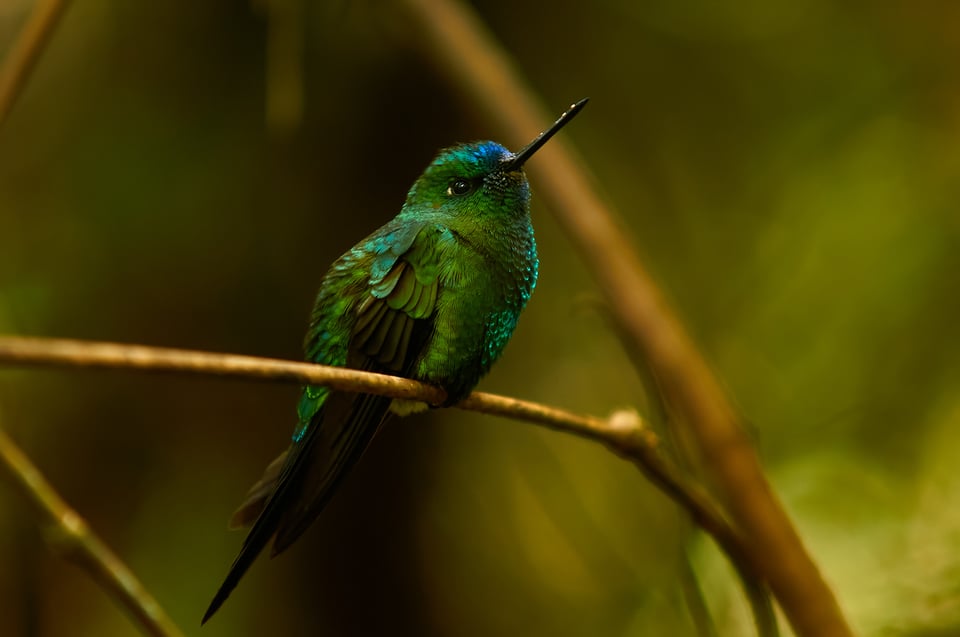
point(258, 495)
point(297, 486)
point(265, 501)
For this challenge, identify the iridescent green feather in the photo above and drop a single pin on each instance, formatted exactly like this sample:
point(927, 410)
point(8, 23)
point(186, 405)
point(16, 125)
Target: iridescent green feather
point(434, 295)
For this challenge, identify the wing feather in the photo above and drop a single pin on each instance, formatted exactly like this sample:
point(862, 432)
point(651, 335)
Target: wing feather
point(390, 326)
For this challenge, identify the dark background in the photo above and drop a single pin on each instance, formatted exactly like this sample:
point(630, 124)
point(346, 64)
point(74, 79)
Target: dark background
point(788, 172)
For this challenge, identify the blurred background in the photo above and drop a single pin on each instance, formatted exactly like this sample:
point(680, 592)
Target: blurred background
point(182, 174)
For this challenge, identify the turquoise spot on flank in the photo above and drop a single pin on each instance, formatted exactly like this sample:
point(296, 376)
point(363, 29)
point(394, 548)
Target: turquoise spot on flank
point(499, 329)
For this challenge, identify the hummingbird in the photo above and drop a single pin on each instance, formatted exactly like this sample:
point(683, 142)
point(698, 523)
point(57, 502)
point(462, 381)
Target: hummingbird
point(433, 295)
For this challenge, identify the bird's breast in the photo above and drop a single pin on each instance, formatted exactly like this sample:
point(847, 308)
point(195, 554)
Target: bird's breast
point(485, 282)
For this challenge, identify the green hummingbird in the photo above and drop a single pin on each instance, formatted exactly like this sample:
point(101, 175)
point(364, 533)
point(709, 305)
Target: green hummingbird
point(433, 295)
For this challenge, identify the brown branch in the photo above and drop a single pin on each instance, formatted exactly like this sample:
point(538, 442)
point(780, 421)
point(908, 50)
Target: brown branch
point(55, 352)
point(623, 433)
point(454, 37)
point(70, 536)
point(26, 50)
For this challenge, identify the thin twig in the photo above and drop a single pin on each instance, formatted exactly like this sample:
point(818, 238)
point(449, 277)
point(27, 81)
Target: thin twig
point(626, 437)
point(55, 352)
point(624, 432)
point(26, 50)
point(69, 535)
point(454, 37)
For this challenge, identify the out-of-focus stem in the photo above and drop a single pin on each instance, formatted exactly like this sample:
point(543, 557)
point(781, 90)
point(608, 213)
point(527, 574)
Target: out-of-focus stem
point(26, 50)
point(69, 535)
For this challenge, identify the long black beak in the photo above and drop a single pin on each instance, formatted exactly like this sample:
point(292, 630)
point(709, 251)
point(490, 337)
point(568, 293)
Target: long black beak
point(518, 159)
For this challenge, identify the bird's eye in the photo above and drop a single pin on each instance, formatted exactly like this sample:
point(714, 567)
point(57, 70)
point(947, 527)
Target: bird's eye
point(460, 187)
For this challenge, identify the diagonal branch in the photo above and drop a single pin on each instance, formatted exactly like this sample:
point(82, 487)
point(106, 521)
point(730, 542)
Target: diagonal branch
point(454, 37)
point(623, 433)
point(26, 50)
point(70, 536)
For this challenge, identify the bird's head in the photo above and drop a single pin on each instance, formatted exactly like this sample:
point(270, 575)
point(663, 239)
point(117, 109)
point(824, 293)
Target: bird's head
point(481, 179)
point(472, 179)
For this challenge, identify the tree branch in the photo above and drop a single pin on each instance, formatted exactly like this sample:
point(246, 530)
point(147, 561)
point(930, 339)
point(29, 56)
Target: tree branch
point(623, 433)
point(26, 50)
point(454, 37)
point(70, 536)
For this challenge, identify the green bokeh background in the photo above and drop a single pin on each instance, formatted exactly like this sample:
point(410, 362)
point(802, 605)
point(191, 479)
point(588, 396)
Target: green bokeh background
point(789, 172)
